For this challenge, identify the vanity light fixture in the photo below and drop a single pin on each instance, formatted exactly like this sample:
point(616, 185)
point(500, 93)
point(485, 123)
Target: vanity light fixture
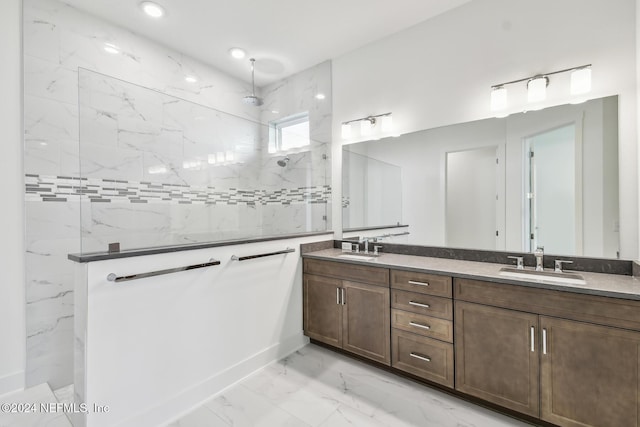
point(581, 81)
point(386, 124)
point(346, 131)
point(237, 53)
point(152, 9)
point(367, 125)
point(537, 86)
point(498, 98)
point(537, 89)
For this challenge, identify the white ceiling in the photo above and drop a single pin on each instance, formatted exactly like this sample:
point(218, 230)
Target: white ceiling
point(285, 36)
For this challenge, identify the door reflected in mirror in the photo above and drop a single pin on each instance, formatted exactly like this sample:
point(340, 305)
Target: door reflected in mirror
point(541, 178)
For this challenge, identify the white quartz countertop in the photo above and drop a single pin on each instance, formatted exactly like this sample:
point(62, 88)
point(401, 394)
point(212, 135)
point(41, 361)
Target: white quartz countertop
point(608, 285)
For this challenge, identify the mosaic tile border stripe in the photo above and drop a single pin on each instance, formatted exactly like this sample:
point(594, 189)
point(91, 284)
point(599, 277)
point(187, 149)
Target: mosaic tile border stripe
point(42, 188)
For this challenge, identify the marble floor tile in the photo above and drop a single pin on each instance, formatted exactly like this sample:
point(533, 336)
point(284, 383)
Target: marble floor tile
point(318, 387)
point(64, 394)
point(201, 417)
point(37, 395)
point(241, 407)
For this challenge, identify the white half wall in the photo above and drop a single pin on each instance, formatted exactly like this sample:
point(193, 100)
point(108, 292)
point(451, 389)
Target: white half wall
point(440, 72)
point(12, 305)
point(172, 341)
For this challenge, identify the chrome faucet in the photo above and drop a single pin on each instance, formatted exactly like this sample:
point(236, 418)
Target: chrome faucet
point(366, 244)
point(539, 253)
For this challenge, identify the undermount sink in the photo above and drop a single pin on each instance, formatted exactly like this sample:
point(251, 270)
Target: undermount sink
point(547, 276)
point(359, 257)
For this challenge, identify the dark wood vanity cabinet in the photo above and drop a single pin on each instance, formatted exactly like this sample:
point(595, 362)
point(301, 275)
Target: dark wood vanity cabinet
point(349, 314)
point(496, 356)
point(589, 374)
point(422, 326)
point(567, 358)
point(535, 351)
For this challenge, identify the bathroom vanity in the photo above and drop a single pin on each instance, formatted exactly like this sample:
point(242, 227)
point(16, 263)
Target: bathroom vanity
point(541, 346)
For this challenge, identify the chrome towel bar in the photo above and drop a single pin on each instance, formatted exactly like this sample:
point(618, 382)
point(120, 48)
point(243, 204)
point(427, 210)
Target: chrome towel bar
point(112, 277)
point(243, 258)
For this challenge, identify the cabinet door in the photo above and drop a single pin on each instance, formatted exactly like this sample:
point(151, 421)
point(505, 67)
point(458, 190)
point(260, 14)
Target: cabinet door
point(322, 309)
point(366, 321)
point(589, 374)
point(497, 356)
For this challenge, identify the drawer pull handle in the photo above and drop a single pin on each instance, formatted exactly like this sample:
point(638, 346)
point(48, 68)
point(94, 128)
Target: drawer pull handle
point(338, 296)
point(418, 304)
point(413, 282)
point(417, 356)
point(544, 341)
point(418, 325)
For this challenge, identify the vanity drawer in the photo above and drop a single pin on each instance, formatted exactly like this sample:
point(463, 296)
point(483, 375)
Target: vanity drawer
point(423, 283)
point(423, 325)
point(424, 357)
point(614, 312)
point(422, 304)
point(354, 272)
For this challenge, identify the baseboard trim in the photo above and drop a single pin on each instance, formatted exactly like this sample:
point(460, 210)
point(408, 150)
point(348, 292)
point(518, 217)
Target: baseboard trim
point(189, 399)
point(12, 383)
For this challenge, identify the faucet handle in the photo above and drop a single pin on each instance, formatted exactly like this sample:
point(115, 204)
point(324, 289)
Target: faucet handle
point(376, 249)
point(519, 261)
point(559, 263)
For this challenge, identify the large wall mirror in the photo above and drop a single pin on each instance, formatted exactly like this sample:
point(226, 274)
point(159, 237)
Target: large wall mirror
point(540, 178)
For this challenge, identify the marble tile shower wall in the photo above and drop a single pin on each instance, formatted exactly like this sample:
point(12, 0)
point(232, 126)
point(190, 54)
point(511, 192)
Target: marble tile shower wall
point(63, 51)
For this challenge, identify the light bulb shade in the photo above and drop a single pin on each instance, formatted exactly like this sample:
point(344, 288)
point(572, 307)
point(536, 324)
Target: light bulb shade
point(229, 156)
point(581, 81)
point(537, 89)
point(498, 98)
point(211, 159)
point(346, 131)
point(386, 124)
point(366, 127)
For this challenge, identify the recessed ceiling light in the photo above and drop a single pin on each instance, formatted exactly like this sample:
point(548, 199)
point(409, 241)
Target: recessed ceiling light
point(191, 79)
point(275, 111)
point(152, 9)
point(111, 48)
point(237, 53)
point(320, 96)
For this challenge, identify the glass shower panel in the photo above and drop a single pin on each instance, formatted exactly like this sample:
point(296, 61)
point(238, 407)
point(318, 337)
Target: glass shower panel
point(157, 170)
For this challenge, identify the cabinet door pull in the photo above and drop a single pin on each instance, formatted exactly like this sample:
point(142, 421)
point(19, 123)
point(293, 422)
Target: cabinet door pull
point(413, 282)
point(418, 325)
point(418, 356)
point(533, 339)
point(544, 341)
point(338, 296)
point(418, 304)
point(342, 292)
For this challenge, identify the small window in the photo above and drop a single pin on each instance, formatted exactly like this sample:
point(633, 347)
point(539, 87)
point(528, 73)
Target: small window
point(289, 133)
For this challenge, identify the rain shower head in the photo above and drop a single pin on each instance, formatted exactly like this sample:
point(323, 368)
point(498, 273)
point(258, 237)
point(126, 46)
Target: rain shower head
point(252, 99)
point(283, 162)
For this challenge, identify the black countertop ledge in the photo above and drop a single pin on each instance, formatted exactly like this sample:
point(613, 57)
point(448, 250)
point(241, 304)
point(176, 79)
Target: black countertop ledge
point(102, 256)
point(600, 284)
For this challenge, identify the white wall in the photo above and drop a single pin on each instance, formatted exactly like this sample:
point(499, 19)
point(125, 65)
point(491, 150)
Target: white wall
point(175, 340)
point(440, 72)
point(12, 307)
